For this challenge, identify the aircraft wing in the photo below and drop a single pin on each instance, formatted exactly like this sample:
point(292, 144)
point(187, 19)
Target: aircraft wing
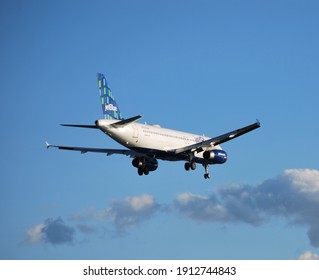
point(219, 139)
point(108, 152)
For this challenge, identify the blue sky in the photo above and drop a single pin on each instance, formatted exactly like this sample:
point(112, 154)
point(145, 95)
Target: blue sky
point(200, 66)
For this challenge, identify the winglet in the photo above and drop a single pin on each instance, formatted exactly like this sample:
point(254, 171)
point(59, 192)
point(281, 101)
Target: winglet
point(258, 122)
point(48, 145)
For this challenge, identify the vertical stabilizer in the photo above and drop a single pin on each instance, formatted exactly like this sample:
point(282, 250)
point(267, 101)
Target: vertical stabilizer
point(109, 106)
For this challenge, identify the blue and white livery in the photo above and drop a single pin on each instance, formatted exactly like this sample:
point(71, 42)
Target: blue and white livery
point(147, 144)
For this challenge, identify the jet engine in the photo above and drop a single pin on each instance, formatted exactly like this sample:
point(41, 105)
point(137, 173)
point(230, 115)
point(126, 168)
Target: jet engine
point(151, 164)
point(215, 156)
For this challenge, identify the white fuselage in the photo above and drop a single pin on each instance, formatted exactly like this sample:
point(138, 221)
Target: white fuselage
point(151, 137)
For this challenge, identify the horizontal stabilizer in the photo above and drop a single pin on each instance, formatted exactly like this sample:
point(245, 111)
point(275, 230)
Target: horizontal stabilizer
point(126, 122)
point(80, 125)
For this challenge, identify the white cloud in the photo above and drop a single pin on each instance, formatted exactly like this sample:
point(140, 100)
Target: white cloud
point(293, 195)
point(35, 234)
point(185, 198)
point(122, 214)
point(202, 208)
point(308, 255)
point(132, 211)
point(141, 203)
point(307, 180)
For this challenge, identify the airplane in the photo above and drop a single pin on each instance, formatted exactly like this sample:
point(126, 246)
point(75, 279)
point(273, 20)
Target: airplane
point(146, 144)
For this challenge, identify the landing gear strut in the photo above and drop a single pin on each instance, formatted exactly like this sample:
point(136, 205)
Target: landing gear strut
point(207, 174)
point(142, 169)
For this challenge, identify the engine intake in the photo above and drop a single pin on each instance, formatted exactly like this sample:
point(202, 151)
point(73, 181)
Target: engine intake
point(215, 156)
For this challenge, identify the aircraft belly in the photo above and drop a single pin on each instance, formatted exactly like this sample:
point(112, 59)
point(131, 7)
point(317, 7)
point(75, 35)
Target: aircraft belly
point(158, 146)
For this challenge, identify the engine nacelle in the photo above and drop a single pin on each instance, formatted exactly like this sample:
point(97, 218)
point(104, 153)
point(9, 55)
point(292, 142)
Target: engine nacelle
point(136, 162)
point(215, 156)
point(151, 164)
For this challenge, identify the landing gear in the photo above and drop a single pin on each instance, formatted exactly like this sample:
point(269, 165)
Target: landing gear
point(146, 171)
point(143, 170)
point(207, 174)
point(190, 165)
point(187, 166)
point(140, 171)
point(145, 165)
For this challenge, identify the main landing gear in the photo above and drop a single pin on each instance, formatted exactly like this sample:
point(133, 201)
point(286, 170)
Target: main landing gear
point(141, 165)
point(145, 165)
point(143, 170)
point(192, 165)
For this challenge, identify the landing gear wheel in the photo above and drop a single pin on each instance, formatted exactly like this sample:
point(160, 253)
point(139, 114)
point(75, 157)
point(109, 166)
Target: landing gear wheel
point(193, 165)
point(140, 171)
point(207, 176)
point(190, 165)
point(146, 171)
point(187, 166)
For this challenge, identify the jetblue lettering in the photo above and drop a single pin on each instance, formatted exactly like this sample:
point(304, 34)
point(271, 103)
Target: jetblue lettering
point(110, 107)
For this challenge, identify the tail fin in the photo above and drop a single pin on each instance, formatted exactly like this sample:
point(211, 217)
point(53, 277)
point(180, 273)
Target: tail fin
point(109, 106)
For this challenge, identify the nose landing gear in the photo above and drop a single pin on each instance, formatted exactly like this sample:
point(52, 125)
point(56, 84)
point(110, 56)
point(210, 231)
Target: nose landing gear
point(207, 174)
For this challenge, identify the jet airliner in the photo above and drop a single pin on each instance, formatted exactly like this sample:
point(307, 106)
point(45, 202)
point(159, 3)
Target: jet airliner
point(146, 144)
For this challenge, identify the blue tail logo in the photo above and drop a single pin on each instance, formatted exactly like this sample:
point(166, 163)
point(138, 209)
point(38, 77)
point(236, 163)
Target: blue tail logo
point(109, 107)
